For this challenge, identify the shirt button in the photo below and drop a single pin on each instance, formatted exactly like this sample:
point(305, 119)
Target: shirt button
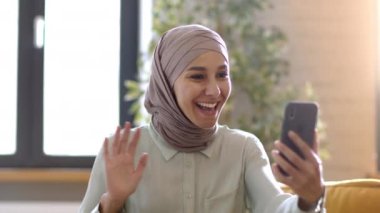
point(189, 196)
point(188, 164)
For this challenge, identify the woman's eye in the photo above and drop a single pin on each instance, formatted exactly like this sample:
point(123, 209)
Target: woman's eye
point(223, 74)
point(197, 76)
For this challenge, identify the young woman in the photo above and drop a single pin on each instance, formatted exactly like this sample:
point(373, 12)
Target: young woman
point(184, 161)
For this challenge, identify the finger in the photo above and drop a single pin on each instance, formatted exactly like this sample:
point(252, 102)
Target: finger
point(310, 157)
point(288, 167)
point(116, 141)
point(279, 175)
point(316, 142)
point(105, 148)
point(136, 177)
point(125, 136)
point(301, 144)
point(141, 166)
point(289, 154)
point(308, 153)
point(133, 144)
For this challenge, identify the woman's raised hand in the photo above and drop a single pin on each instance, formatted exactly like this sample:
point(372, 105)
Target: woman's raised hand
point(304, 175)
point(121, 174)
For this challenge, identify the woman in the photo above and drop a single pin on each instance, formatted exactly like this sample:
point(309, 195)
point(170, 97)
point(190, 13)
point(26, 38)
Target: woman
point(194, 164)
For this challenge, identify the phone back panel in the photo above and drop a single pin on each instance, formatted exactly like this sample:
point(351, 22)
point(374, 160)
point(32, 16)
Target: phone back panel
point(300, 117)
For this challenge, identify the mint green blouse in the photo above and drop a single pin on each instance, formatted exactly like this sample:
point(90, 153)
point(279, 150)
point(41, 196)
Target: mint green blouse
point(232, 175)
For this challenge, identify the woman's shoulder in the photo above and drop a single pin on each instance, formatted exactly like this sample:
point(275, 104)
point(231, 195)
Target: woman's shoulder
point(237, 133)
point(143, 127)
point(240, 139)
point(239, 136)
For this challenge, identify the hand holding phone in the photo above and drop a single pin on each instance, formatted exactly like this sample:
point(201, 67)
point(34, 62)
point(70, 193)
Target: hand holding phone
point(306, 174)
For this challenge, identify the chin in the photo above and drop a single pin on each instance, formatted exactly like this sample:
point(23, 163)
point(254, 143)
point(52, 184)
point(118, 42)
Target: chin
point(206, 125)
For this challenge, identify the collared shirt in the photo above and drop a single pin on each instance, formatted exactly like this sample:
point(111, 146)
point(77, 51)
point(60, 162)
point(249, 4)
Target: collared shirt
point(232, 175)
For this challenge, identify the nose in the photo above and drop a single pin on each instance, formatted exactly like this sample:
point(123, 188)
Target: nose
point(212, 88)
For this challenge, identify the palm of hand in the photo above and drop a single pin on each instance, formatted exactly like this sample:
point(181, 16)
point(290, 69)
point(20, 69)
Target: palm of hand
point(122, 177)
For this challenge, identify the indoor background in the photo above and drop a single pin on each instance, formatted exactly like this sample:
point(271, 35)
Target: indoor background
point(331, 44)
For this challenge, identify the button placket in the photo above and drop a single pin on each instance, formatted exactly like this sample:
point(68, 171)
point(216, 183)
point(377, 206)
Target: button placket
point(189, 182)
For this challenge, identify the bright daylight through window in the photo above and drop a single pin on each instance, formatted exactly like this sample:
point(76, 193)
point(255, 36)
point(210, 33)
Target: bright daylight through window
point(81, 75)
point(8, 75)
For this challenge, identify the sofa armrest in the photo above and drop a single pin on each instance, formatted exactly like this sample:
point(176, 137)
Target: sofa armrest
point(351, 196)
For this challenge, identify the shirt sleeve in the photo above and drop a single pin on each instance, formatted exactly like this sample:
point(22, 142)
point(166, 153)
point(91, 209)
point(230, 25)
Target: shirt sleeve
point(96, 186)
point(264, 192)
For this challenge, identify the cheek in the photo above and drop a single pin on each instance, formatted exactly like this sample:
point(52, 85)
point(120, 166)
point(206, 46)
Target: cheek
point(183, 95)
point(187, 96)
point(226, 89)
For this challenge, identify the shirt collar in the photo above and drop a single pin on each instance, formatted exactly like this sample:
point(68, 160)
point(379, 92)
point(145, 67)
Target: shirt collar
point(168, 151)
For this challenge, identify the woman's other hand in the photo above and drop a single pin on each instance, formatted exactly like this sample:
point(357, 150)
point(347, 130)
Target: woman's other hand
point(304, 175)
point(121, 174)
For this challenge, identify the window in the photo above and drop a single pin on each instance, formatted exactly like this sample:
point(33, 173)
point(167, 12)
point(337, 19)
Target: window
point(378, 86)
point(8, 76)
point(64, 78)
point(81, 71)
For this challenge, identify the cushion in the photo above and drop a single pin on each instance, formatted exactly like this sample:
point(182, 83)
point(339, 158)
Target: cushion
point(351, 196)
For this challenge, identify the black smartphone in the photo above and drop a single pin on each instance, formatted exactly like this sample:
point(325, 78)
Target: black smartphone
point(300, 117)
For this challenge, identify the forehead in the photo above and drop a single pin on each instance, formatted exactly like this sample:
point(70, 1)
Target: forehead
point(209, 59)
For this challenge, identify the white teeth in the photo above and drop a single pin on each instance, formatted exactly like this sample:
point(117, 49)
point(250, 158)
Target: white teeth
point(207, 105)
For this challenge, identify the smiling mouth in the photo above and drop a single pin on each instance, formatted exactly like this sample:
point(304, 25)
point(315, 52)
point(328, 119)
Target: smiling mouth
point(207, 106)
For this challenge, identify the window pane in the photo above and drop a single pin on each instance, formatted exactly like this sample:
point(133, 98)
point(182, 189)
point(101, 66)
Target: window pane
point(81, 75)
point(8, 75)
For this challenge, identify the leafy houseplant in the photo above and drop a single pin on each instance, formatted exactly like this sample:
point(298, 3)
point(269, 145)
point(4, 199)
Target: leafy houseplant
point(257, 102)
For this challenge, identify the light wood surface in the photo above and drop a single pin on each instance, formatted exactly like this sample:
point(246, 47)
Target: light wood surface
point(44, 175)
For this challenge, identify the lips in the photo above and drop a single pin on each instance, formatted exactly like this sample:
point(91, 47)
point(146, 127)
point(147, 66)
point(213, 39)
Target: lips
point(207, 106)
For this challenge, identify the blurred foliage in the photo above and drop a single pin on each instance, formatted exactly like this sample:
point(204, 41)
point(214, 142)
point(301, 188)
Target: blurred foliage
point(256, 62)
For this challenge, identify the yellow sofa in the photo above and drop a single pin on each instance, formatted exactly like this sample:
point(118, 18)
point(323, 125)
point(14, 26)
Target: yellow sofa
point(352, 196)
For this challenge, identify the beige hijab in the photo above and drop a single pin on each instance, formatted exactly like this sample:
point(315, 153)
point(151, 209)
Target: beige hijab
point(176, 49)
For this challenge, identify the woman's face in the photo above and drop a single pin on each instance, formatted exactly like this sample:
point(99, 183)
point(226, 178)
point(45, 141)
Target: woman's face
point(203, 89)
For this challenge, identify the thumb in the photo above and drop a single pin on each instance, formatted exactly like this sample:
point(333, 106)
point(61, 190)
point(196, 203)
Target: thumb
point(315, 146)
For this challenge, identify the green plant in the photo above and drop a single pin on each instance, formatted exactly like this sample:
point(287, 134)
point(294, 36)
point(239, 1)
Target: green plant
point(255, 60)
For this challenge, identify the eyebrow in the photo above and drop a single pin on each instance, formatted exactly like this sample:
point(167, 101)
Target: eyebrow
point(200, 68)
